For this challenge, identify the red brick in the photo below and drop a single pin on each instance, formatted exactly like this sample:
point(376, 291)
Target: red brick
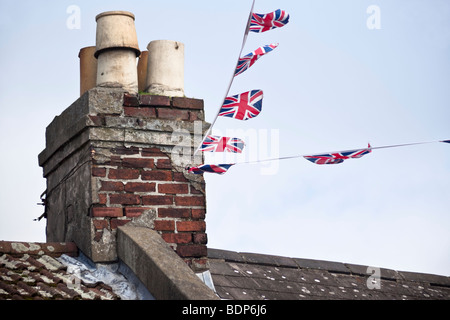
point(173, 188)
point(199, 264)
point(172, 114)
point(117, 223)
point(152, 152)
point(111, 186)
point(178, 176)
point(107, 212)
point(157, 200)
point(164, 225)
point(196, 115)
point(157, 175)
point(200, 238)
point(192, 250)
point(164, 164)
point(98, 172)
point(125, 150)
point(140, 187)
point(195, 191)
point(146, 112)
point(174, 213)
point(100, 224)
point(113, 161)
point(177, 237)
point(137, 163)
point(193, 226)
point(130, 100)
point(187, 103)
point(196, 201)
point(154, 100)
point(102, 198)
point(133, 212)
point(198, 213)
point(124, 198)
point(97, 120)
point(123, 174)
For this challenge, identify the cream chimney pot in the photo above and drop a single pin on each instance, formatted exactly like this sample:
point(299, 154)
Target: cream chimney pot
point(116, 51)
point(116, 29)
point(165, 68)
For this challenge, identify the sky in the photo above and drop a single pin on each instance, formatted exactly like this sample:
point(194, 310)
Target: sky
point(346, 73)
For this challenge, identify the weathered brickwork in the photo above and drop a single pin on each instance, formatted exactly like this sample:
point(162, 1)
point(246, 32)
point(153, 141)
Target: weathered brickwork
point(141, 181)
point(110, 160)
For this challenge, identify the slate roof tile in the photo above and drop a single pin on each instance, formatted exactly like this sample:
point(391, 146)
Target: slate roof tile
point(256, 276)
point(321, 265)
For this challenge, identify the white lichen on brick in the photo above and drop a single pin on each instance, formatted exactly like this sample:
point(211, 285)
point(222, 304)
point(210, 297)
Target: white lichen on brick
point(50, 263)
point(20, 247)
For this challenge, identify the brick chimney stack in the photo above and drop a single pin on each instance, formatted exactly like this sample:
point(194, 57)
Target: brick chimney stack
point(116, 157)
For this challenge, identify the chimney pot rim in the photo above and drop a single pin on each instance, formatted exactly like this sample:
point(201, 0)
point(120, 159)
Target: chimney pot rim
point(117, 12)
point(124, 48)
point(86, 49)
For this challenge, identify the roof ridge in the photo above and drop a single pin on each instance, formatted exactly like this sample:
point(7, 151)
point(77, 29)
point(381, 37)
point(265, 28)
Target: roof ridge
point(52, 249)
point(325, 265)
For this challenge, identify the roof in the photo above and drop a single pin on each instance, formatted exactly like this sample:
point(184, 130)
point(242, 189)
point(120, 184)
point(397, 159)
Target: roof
point(41, 271)
point(252, 276)
point(60, 271)
point(32, 271)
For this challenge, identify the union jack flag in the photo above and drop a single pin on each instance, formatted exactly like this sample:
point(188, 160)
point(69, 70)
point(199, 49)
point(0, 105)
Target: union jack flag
point(222, 144)
point(338, 157)
point(265, 22)
point(248, 60)
point(242, 106)
point(212, 168)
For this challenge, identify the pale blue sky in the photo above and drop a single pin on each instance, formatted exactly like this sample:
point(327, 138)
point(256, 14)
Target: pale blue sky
point(332, 84)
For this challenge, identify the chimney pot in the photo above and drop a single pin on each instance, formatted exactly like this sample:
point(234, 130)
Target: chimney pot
point(165, 68)
point(142, 70)
point(116, 50)
point(116, 29)
point(88, 69)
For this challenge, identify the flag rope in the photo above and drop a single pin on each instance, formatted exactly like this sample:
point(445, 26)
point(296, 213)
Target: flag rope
point(342, 151)
point(244, 40)
point(318, 158)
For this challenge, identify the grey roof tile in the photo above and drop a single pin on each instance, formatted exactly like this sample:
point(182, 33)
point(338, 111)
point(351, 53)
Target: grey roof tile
point(322, 264)
point(225, 255)
point(256, 276)
point(271, 260)
point(425, 277)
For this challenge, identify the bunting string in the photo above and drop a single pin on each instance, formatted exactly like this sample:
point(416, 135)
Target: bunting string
point(334, 157)
point(248, 105)
point(244, 40)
